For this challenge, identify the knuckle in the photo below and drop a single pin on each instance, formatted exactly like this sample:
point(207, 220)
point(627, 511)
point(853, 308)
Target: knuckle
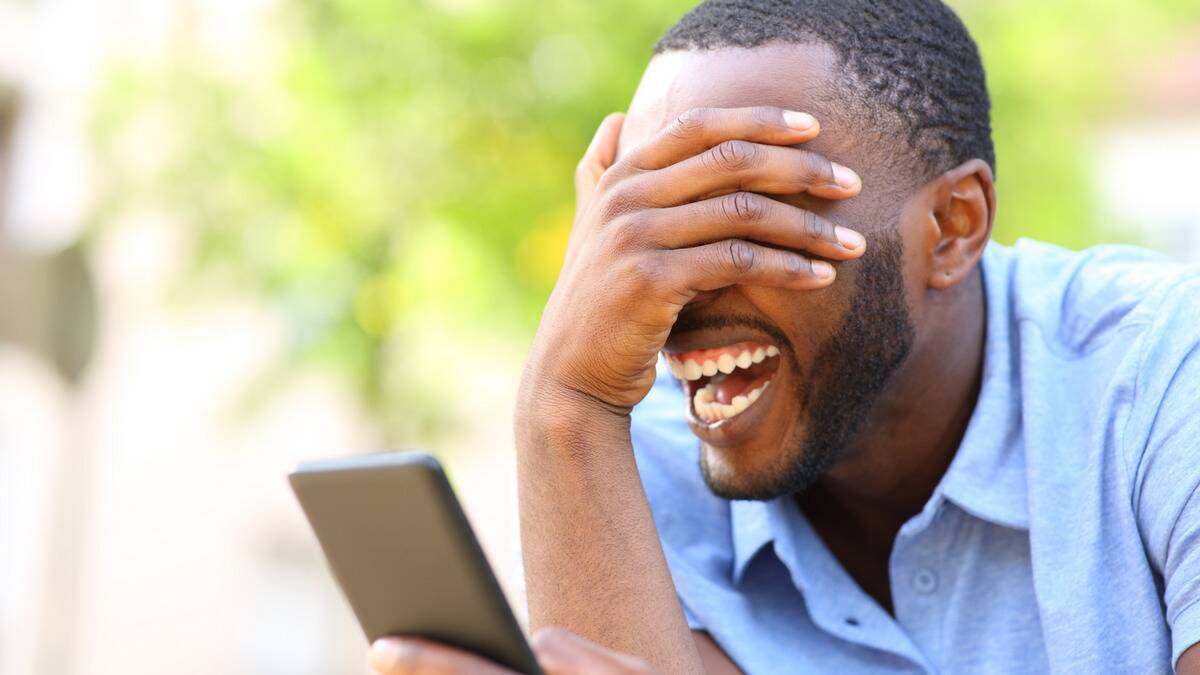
point(620, 200)
point(753, 207)
point(742, 255)
point(796, 265)
point(630, 230)
point(691, 123)
point(735, 155)
point(815, 227)
point(608, 180)
point(815, 169)
point(767, 116)
point(646, 271)
point(743, 207)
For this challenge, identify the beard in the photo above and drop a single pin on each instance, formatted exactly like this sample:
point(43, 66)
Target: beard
point(849, 374)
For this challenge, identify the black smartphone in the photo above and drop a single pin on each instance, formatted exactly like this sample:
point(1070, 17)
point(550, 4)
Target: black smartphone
point(404, 554)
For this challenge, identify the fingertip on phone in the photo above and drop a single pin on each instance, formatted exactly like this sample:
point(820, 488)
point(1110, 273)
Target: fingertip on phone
point(388, 651)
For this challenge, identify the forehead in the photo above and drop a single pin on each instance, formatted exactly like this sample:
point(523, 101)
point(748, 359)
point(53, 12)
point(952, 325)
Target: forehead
point(795, 77)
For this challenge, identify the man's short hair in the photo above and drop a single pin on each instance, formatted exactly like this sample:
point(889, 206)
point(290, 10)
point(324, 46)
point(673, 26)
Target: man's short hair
point(910, 66)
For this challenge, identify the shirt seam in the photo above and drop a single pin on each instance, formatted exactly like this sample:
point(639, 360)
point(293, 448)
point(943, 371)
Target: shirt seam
point(1195, 487)
point(1178, 615)
point(1155, 296)
point(1123, 443)
point(1171, 535)
point(1186, 608)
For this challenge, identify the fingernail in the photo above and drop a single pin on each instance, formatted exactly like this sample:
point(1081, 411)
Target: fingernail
point(849, 238)
point(845, 177)
point(822, 269)
point(386, 651)
point(798, 120)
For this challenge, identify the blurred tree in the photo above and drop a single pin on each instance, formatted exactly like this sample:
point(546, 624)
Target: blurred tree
point(403, 170)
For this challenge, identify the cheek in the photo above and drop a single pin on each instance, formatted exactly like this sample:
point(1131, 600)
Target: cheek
point(916, 268)
point(808, 318)
point(856, 213)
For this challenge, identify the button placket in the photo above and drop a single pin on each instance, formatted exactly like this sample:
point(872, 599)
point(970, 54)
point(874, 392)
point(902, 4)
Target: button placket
point(916, 581)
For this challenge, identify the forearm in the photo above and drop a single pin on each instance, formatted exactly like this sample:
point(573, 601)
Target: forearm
point(593, 561)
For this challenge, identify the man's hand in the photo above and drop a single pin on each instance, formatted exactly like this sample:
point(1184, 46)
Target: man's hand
point(681, 214)
point(559, 652)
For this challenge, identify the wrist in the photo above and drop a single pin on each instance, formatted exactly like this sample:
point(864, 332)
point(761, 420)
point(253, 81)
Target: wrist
point(558, 416)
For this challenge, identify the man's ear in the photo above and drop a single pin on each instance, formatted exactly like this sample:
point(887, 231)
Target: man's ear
point(960, 222)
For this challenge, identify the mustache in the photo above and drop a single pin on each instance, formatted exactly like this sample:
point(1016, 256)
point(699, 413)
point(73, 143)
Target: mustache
point(693, 321)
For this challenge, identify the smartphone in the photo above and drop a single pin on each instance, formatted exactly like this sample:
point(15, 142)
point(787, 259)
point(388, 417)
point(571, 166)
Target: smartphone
point(404, 554)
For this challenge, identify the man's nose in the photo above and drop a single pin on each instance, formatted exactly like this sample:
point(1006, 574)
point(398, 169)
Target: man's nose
point(703, 299)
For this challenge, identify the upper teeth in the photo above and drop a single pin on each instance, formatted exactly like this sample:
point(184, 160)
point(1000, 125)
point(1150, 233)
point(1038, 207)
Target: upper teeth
point(691, 369)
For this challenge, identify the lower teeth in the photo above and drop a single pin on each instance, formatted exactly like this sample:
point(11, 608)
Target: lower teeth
point(709, 410)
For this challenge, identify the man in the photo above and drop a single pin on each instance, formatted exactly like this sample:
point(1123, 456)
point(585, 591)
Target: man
point(898, 448)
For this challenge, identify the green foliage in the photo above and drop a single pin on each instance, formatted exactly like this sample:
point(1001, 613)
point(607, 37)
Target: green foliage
point(404, 169)
point(1058, 72)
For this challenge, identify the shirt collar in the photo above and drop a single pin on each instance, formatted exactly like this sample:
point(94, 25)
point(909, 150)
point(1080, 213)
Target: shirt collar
point(750, 523)
point(986, 478)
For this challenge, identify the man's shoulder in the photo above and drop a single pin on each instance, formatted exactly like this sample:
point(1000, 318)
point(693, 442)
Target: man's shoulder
point(1112, 334)
point(1081, 301)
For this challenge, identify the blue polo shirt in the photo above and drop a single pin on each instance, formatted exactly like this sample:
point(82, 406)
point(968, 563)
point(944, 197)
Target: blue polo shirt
point(1064, 537)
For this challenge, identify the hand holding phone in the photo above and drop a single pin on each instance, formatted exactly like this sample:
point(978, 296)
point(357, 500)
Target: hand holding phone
point(405, 557)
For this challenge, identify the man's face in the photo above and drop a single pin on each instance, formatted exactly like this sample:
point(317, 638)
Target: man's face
point(808, 368)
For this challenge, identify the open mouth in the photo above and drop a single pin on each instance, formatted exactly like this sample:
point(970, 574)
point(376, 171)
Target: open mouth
point(723, 382)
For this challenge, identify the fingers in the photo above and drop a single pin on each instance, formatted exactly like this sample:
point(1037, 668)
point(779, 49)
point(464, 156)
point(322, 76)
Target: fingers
point(746, 215)
point(414, 656)
point(561, 652)
point(699, 129)
point(598, 157)
point(739, 262)
point(740, 165)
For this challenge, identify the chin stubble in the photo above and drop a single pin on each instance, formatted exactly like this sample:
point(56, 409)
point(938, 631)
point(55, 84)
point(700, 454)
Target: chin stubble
point(848, 375)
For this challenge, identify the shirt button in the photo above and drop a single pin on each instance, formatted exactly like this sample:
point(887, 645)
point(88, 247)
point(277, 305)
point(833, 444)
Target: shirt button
point(924, 581)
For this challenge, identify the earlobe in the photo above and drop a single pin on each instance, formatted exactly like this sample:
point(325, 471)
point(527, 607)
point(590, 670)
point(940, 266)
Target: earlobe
point(964, 210)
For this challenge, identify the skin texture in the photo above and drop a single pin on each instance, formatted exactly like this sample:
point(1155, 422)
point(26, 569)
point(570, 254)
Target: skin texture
point(1189, 661)
point(684, 240)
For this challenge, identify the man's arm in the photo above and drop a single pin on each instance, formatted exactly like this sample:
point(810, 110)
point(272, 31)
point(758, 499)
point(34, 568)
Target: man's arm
point(1189, 662)
point(716, 661)
point(1164, 433)
point(593, 561)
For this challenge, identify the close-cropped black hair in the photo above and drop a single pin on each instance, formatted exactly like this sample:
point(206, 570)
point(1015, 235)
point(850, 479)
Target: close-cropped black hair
point(909, 66)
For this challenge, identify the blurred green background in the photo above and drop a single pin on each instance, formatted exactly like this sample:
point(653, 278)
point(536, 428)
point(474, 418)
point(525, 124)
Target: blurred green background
point(396, 177)
point(236, 234)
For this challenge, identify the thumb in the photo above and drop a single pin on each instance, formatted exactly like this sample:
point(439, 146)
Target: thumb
point(560, 652)
point(600, 155)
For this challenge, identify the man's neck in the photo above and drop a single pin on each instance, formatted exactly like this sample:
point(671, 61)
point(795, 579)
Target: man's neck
point(895, 464)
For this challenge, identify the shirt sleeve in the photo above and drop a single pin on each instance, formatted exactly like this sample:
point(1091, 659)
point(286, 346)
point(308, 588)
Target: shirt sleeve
point(1165, 429)
point(693, 621)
